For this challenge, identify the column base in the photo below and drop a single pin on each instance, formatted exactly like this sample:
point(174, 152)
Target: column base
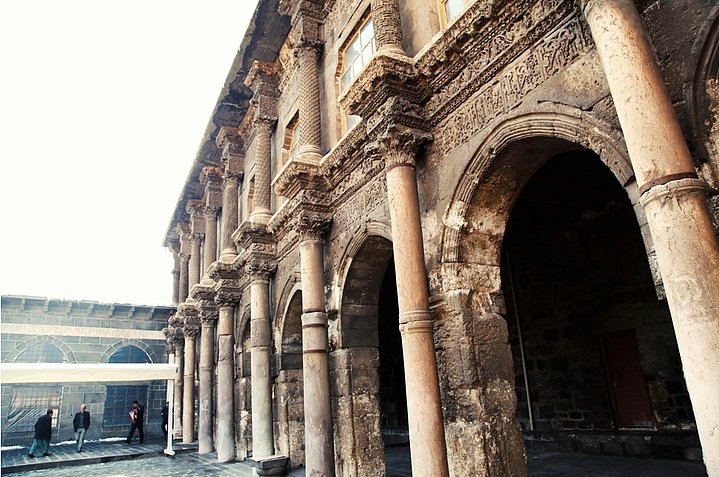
point(270, 465)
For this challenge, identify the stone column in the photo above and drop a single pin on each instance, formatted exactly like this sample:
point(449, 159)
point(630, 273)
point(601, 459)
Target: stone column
point(225, 380)
point(207, 362)
point(188, 403)
point(179, 342)
point(183, 287)
point(319, 441)
point(195, 260)
point(674, 202)
point(260, 353)
point(232, 160)
point(176, 282)
point(387, 26)
point(309, 107)
point(210, 254)
point(424, 408)
point(261, 212)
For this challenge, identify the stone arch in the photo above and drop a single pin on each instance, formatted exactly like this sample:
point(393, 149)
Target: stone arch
point(36, 340)
point(355, 351)
point(572, 127)
point(128, 342)
point(289, 385)
point(292, 286)
point(702, 72)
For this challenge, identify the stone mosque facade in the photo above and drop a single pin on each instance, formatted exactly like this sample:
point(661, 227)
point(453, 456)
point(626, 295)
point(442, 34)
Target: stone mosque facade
point(474, 227)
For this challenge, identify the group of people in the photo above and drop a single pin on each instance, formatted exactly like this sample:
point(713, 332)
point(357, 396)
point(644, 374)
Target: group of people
point(81, 423)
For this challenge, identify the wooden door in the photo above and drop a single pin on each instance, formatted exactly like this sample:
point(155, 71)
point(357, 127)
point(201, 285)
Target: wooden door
point(628, 388)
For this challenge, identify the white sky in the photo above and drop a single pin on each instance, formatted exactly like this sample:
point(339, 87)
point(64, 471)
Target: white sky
point(103, 105)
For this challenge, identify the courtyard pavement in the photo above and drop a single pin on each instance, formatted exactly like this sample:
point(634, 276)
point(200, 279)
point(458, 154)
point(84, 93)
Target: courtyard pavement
point(117, 459)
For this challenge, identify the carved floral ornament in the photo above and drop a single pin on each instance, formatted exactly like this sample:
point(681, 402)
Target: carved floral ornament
point(399, 144)
point(312, 225)
point(260, 268)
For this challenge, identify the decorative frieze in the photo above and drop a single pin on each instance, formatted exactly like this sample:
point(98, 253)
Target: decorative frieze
point(551, 55)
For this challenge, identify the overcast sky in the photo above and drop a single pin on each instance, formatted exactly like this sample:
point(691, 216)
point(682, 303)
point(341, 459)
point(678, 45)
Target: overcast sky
point(103, 105)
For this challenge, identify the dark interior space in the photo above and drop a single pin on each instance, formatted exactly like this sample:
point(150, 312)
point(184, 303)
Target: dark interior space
point(392, 386)
point(598, 370)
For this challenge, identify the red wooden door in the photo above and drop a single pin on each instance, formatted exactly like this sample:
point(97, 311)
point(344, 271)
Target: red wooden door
point(630, 398)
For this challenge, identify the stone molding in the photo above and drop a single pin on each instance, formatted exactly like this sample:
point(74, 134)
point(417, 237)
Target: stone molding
point(398, 145)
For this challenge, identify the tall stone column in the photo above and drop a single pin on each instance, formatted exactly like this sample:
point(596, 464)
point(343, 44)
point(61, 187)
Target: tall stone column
point(177, 339)
point(232, 160)
point(319, 441)
point(261, 212)
point(674, 202)
point(424, 408)
point(191, 331)
point(176, 283)
point(183, 287)
point(309, 107)
point(195, 260)
point(260, 354)
point(387, 26)
point(207, 368)
point(225, 440)
point(210, 239)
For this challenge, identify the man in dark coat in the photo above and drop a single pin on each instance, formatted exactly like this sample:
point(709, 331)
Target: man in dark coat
point(165, 412)
point(43, 434)
point(137, 417)
point(81, 423)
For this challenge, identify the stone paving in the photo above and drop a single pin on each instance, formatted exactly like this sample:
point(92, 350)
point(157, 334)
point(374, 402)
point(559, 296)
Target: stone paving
point(117, 459)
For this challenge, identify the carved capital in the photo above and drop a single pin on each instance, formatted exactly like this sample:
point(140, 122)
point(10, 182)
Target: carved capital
point(228, 293)
point(260, 268)
point(312, 225)
point(308, 52)
point(398, 145)
point(208, 317)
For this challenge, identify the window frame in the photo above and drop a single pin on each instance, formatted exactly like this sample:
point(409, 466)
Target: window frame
point(345, 65)
point(444, 19)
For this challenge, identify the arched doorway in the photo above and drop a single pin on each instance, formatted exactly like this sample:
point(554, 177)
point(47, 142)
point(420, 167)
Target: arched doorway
point(367, 363)
point(596, 362)
point(289, 389)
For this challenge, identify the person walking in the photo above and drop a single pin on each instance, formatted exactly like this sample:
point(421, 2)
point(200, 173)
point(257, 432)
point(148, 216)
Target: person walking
point(81, 423)
point(165, 411)
point(137, 417)
point(43, 434)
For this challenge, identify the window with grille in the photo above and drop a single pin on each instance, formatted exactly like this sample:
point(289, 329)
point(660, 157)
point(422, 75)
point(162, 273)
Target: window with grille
point(119, 398)
point(41, 353)
point(27, 404)
point(119, 401)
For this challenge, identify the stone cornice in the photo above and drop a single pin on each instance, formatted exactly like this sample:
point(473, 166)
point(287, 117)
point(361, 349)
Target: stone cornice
point(301, 209)
point(258, 249)
point(387, 75)
point(297, 175)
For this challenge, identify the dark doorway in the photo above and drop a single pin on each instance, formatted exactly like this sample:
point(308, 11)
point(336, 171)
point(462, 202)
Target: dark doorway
point(583, 314)
point(630, 399)
point(393, 400)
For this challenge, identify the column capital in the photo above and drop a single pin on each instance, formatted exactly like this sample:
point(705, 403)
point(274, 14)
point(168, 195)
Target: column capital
point(308, 51)
point(260, 269)
point(209, 318)
point(399, 144)
point(312, 225)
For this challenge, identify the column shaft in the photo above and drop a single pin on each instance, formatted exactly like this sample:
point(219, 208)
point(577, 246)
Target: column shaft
point(309, 107)
point(261, 213)
point(387, 25)
point(178, 396)
point(184, 278)
point(195, 260)
point(262, 436)
point(424, 408)
point(674, 203)
point(207, 358)
point(319, 442)
point(188, 402)
point(176, 284)
point(229, 216)
point(225, 384)
point(210, 254)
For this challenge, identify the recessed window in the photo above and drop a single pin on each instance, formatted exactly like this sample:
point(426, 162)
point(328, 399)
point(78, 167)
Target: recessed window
point(450, 9)
point(41, 353)
point(292, 139)
point(359, 49)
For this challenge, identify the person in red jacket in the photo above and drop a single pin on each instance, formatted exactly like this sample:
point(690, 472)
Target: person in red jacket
point(43, 434)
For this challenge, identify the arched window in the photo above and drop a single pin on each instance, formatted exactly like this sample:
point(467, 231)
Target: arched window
point(120, 397)
point(41, 353)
